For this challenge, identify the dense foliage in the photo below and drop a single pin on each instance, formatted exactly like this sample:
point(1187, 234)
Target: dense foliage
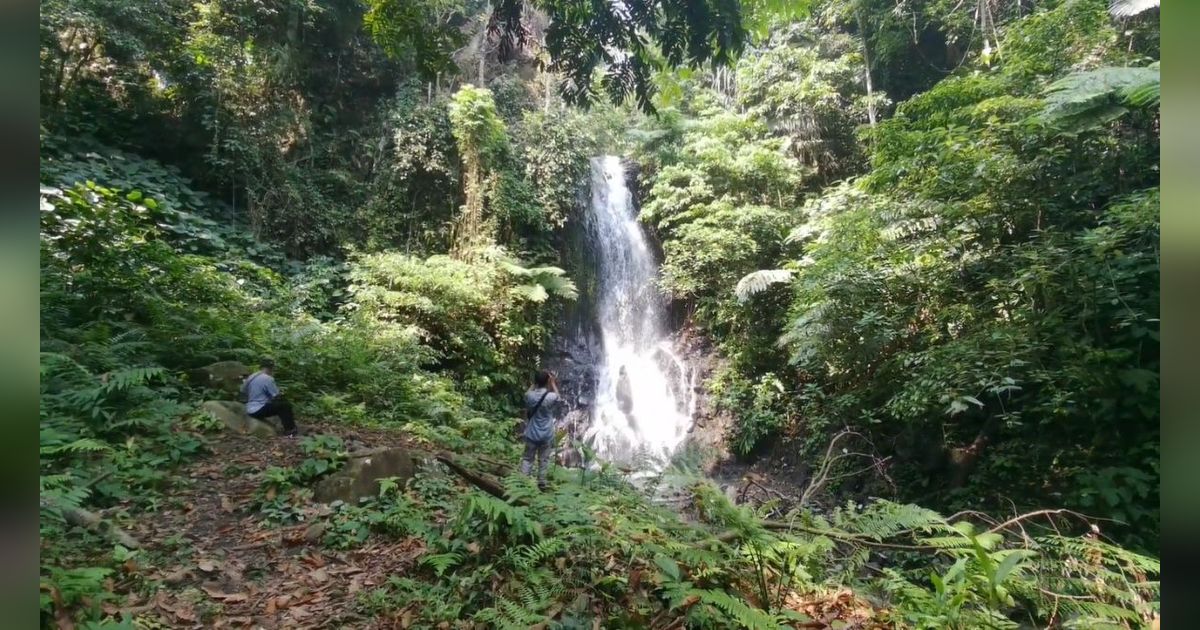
point(927, 226)
point(981, 301)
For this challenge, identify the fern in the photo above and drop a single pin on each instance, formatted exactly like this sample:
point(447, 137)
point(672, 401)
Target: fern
point(508, 615)
point(1130, 8)
point(546, 281)
point(884, 519)
point(60, 492)
point(1094, 581)
point(538, 590)
point(81, 445)
point(526, 558)
point(441, 562)
point(745, 615)
point(122, 380)
point(1085, 100)
point(758, 281)
point(499, 516)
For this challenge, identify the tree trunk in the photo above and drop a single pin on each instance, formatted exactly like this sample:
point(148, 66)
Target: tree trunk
point(862, 33)
point(482, 62)
point(61, 75)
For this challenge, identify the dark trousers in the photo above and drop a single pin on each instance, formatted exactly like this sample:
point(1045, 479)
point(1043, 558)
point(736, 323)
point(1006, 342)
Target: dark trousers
point(281, 408)
point(542, 451)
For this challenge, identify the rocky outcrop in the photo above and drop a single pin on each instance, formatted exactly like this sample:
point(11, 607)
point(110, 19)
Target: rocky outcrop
point(361, 475)
point(573, 359)
point(707, 437)
point(233, 415)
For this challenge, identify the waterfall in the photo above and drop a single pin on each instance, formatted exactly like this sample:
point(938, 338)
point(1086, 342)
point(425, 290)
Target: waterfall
point(644, 391)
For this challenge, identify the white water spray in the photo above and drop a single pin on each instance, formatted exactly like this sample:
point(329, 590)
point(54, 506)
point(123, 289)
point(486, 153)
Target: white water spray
point(640, 417)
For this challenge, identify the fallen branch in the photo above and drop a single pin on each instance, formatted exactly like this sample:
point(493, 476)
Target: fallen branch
point(750, 481)
point(822, 477)
point(91, 521)
point(851, 538)
point(105, 475)
point(1024, 517)
point(494, 463)
point(486, 484)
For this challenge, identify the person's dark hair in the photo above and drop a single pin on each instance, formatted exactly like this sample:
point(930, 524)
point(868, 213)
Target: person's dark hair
point(267, 362)
point(541, 379)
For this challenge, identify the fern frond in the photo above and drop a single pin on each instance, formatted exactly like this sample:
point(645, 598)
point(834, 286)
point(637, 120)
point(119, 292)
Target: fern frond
point(535, 293)
point(745, 615)
point(758, 281)
point(61, 492)
point(534, 555)
point(1130, 8)
point(82, 445)
point(1084, 100)
point(442, 561)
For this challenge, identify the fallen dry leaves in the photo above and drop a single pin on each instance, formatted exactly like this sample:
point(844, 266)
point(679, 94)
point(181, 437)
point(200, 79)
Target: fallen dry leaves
point(841, 606)
point(231, 571)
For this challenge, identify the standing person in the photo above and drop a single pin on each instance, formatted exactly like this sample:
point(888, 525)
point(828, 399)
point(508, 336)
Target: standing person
point(263, 398)
point(540, 402)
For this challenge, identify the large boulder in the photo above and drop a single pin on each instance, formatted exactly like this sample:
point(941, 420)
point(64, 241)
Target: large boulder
point(359, 478)
point(223, 375)
point(233, 415)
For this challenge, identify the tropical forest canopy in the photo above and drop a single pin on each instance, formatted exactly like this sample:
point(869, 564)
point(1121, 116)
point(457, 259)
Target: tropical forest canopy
point(927, 229)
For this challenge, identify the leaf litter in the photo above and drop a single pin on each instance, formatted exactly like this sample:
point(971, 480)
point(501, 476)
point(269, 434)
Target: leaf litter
point(235, 571)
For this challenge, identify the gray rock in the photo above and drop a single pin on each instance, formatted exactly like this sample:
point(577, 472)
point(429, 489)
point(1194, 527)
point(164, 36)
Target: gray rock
point(232, 414)
point(360, 476)
point(314, 532)
point(223, 375)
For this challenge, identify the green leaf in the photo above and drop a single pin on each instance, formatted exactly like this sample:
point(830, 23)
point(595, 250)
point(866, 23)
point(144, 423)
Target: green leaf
point(1009, 563)
point(668, 566)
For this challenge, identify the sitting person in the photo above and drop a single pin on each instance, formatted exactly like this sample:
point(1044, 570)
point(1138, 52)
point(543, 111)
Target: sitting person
point(263, 398)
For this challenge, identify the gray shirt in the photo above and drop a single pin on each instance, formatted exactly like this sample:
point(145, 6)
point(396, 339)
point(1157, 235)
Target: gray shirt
point(260, 389)
point(540, 427)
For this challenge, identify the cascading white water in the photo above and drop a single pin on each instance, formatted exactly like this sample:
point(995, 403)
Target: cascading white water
point(645, 418)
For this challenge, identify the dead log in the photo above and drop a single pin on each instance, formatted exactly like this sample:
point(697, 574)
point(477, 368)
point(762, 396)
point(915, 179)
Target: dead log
point(487, 484)
point(80, 517)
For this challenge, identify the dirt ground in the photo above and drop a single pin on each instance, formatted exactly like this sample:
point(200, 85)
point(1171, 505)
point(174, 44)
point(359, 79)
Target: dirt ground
point(222, 567)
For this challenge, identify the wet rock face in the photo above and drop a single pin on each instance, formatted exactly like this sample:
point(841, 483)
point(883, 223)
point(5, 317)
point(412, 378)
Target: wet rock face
point(707, 437)
point(573, 358)
point(361, 474)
